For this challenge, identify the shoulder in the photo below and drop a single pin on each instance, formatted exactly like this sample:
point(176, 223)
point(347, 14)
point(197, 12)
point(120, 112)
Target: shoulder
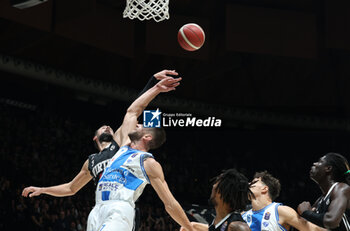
point(90, 161)
point(341, 189)
point(153, 168)
point(235, 216)
point(286, 213)
point(238, 226)
point(146, 155)
point(115, 143)
point(91, 156)
point(245, 213)
point(151, 162)
point(283, 209)
point(86, 165)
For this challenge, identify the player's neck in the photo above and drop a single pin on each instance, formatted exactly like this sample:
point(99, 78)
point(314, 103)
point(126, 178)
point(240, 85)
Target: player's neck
point(138, 145)
point(103, 145)
point(221, 212)
point(325, 185)
point(260, 202)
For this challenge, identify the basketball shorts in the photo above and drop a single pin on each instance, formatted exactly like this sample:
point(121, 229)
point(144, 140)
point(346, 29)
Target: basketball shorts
point(111, 216)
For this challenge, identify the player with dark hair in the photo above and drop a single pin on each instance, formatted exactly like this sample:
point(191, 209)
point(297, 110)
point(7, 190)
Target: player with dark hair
point(131, 169)
point(332, 210)
point(107, 142)
point(268, 215)
point(229, 196)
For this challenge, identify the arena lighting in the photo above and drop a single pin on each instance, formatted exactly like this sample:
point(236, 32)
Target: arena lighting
point(18, 104)
point(23, 4)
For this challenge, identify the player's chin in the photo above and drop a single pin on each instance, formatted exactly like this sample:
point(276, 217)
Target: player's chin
point(312, 173)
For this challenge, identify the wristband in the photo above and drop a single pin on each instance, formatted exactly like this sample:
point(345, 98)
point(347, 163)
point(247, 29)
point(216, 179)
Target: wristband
point(151, 82)
point(316, 218)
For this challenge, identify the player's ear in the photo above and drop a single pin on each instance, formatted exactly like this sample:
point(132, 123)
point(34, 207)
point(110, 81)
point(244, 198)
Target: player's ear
point(147, 137)
point(328, 168)
point(265, 189)
point(95, 138)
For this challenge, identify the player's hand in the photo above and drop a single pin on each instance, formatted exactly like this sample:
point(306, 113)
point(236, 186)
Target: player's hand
point(31, 191)
point(168, 84)
point(304, 207)
point(164, 74)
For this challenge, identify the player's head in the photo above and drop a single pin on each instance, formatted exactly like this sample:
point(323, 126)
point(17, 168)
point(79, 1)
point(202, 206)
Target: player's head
point(264, 184)
point(152, 137)
point(231, 188)
point(103, 134)
point(333, 165)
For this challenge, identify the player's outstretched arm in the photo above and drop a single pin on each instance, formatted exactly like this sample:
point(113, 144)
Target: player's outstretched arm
point(151, 83)
point(135, 110)
point(157, 77)
point(156, 177)
point(67, 189)
point(289, 217)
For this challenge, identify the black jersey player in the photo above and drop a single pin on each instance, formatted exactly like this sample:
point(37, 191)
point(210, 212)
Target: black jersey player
point(107, 144)
point(332, 210)
point(229, 196)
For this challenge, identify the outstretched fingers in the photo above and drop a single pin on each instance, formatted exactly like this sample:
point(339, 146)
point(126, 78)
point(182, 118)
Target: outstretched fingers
point(165, 73)
point(169, 84)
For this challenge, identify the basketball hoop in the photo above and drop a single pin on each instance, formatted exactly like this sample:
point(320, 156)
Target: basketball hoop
point(147, 9)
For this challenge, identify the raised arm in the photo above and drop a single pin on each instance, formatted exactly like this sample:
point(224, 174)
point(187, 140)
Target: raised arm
point(136, 108)
point(157, 77)
point(289, 217)
point(156, 176)
point(151, 83)
point(67, 189)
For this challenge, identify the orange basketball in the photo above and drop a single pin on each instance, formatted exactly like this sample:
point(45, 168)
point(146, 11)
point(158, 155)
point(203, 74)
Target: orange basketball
point(191, 37)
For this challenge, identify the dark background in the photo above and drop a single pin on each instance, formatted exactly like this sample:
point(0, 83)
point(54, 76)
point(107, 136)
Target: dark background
point(275, 71)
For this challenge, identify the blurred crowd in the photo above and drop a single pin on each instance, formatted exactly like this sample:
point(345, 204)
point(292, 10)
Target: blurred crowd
point(43, 148)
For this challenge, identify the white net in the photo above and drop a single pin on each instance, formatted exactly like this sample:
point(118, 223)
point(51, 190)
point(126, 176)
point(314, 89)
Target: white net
point(147, 9)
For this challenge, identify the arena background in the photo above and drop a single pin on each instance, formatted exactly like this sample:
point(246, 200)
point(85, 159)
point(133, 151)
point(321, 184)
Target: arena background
point(276, 72)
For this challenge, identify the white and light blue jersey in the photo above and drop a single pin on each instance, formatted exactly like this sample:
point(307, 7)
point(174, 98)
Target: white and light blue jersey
point(124, 178)
point(265, 219)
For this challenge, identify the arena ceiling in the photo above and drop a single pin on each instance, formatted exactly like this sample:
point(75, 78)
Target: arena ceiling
point(283, 56)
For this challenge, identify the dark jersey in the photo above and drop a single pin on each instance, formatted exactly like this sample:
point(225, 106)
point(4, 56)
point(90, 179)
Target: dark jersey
point(224, 223)
point(98, 161)
point(322, 205)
